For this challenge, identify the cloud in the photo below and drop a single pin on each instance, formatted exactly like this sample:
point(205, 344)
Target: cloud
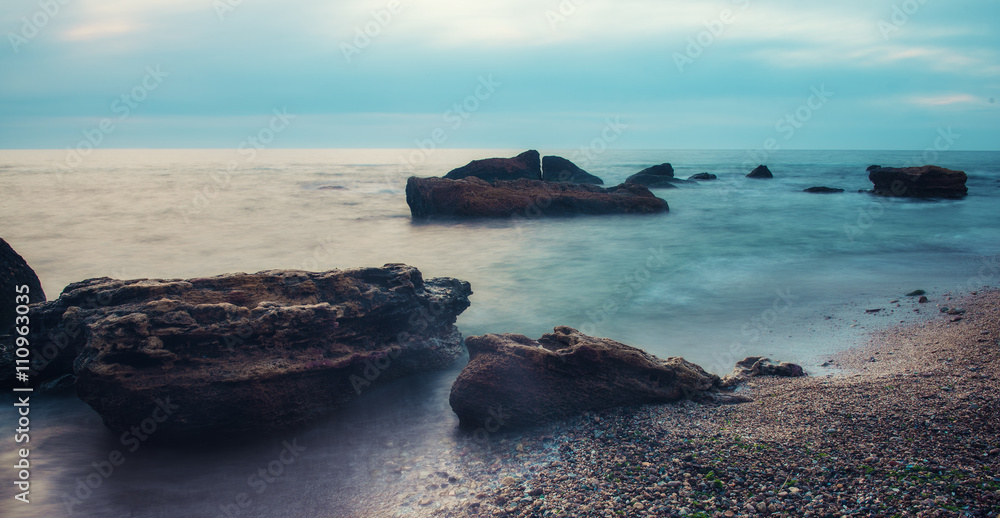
point(944, 100)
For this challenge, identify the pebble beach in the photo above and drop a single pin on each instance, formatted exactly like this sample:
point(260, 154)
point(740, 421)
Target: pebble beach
point(904, 425)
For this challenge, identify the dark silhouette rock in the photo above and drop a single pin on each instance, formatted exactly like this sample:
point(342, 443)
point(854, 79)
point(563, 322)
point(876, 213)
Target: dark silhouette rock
point(15, 272)
point(871, 167)
point(558, 169)
point(760, 366)
point(703, 176)
point(929, 181)
point(252, 353)
point(916, 293)
point(526, 165)
point(659, 170)
point(659, 176)
point(823, 190)
point(761, 172)
point(474, 198)
point(520, 381)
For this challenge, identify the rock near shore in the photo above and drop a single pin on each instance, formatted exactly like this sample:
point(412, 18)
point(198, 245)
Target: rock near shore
point(928, 181)
point(15, 272)
point(251, 353)
point(475, 198)
point(558, 169)
point(526, 165)
point(514, 381)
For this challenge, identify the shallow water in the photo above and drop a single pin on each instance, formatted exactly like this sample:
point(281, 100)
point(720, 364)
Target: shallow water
point(737, 266)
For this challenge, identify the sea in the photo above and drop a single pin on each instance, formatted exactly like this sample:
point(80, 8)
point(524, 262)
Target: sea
point(737, 267)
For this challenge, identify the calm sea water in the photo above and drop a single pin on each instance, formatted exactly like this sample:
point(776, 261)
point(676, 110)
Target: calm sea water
point(738, 266)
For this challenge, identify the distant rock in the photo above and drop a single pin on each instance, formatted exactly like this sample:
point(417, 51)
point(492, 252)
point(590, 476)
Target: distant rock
point(823, 190)
point(558, 169)
point(871, 167)
point(15, 272)
point(928, 181)
point(251, 353)
point(474, 198)
point(526, 165)
point(514, 381)
point(703, 176)
point(916, 293)
point(760, 366)
point(658, 176)
point(331, 188)
point(761, 172)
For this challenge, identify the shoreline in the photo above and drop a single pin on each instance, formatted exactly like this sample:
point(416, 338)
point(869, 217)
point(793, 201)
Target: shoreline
point(912, 433)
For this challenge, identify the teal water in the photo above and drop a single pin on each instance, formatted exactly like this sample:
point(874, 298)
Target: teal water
point(737, 266)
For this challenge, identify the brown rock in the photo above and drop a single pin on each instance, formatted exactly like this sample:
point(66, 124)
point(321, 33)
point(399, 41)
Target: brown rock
point(475, 198)
point(760, 366)
point(526, 165)
point(919, 182)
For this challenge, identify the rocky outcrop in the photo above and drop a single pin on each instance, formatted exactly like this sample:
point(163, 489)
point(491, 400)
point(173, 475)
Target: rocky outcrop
point(823, 190)
point(703, 177)
point(872, 167)
point(929, 181)
point(514, 381)
point(558, 169)
point(474, 198)
point(659, 176)
point(526, 165)
point(15, 272)
point(761, 172)
point(251, 353)
point(759, 366)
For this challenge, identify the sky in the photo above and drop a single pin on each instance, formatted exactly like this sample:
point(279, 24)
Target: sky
point(640, 74)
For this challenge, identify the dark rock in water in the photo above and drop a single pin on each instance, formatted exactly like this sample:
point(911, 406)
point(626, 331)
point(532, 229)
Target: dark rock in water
point(761, 172)
point(916, 293)
point(928, 181)
point(871, 167)
point(760, 366)
point(823, 190)
point(659, 170)
point(252, 353)
point(923, 300)
point(659, 176)
point(474, 198)
point(514, 381)
point(15, 272)
point(558, 169)
point(526, 165)
point(703, 176)
point(332, 188)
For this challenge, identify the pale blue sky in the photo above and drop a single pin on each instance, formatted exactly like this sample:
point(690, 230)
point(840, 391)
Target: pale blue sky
point(560, 70)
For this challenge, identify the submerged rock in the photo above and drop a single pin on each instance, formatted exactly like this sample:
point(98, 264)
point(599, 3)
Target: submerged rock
point(514, 381)
point(929, 181)
point(474, 198)
point(703, 176)
point(558, 169)
point(823, 190)
point(761, 172)
point(252, 353)
point(526, 165)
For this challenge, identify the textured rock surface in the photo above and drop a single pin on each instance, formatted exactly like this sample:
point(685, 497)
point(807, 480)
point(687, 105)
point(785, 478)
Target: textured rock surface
point(474, 198)
point(823, 190)
point(252, 353)
point(526, 165)
point(929, 181)
point(760, 172)
point(703, 176)
point(658, 176)
point(520, 381)
point(14, 272)
point(760, 366)
point(558, 169)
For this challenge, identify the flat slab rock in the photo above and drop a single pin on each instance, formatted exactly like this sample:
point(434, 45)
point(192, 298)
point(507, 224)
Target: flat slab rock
point(929, 181)
point(251, 353)
point(476, 198)
point(514, 381)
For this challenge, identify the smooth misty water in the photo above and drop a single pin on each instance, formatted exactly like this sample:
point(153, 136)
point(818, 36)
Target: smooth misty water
point(695, 283)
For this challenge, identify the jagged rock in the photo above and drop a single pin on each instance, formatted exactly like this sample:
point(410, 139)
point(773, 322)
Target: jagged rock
point(474, 198)
point(526, 165)
point(761, 172)
point(558, 169)
point(251, 353)
point(929, 181)
point(658, 176)
point(760, 366)
point(513, 381)
point(823, 190)
point(703, 176)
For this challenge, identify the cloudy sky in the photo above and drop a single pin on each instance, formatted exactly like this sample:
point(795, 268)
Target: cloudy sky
point(854, 74)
